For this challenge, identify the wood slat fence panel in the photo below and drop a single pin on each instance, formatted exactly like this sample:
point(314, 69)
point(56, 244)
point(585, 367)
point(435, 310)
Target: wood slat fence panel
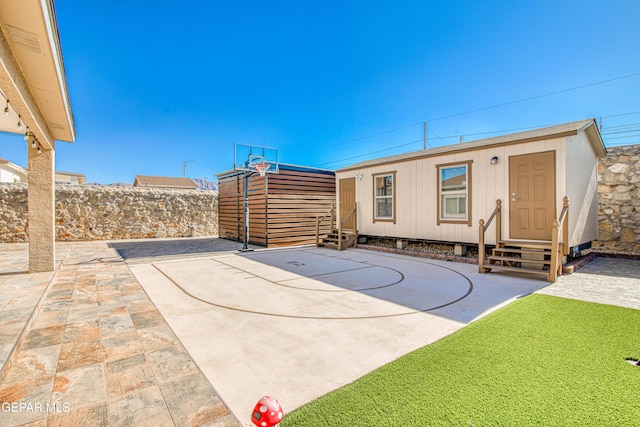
point(282, 207)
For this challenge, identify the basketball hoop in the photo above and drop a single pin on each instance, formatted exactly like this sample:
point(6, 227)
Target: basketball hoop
point(262, 168)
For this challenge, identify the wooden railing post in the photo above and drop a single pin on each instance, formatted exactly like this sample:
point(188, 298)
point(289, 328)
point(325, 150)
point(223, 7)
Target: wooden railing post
point(319, 219)
point(481, 247)
point(553, 268)
point(355, 219)
point(565, 226)
point(498, 220)
point(333, 216)
point(497, 214)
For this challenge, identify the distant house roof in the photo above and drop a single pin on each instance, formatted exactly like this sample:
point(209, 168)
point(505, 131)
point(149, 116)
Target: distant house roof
point(164, 182)
point(456, 181)
point(14, 169)
point(62, 177)
point(566, 129)
point(70, 177)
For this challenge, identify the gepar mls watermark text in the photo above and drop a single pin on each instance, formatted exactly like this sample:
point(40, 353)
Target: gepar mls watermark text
point(16, 407)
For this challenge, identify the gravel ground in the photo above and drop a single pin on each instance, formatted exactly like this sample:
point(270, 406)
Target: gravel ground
point(442, 248)
point(422, 246)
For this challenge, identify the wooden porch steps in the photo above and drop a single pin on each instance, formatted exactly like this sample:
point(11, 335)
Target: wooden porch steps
point(544, 244)
point(349, 239)
point(526, 256)
point(513, 259)
point(544, 273)
point(522, 257)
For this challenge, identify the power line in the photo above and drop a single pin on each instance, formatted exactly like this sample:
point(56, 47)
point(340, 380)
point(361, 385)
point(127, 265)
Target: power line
point(622, 127)
point(537, 96)
point(633, 133)
point(324, 147)
point(619, 144)
point(429, 129)
point(623, 137)
point(370, 153)
point(620, 115)
point(495, 106)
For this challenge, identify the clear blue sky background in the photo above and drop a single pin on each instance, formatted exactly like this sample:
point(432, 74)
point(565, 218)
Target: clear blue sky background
point(153, 84)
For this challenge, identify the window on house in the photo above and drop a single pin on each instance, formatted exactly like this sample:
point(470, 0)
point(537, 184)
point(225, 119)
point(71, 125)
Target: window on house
point(384, 197)
point(454, 193)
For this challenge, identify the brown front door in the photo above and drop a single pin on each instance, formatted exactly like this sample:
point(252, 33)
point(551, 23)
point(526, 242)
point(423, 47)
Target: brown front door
point(347, 201)
point(532, 195)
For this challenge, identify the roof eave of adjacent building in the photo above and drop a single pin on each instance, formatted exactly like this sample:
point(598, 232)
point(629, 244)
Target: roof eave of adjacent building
point(564, 130)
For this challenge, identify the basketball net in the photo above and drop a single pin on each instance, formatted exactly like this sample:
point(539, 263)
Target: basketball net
point(262, 168)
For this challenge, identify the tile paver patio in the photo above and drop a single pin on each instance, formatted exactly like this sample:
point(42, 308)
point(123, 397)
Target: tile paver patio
point(97, 351)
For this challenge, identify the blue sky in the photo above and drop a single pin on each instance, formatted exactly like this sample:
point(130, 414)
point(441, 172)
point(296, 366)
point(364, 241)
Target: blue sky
point(153, 84)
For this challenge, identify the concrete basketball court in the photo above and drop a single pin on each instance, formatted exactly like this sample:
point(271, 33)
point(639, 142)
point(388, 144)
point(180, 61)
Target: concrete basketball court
point(297, 323)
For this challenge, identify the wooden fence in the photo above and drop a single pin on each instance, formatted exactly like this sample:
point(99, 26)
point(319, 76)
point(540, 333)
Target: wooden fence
point(282, 207)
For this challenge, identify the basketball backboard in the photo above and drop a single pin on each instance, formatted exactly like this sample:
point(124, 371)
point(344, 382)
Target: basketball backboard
point(246, 157)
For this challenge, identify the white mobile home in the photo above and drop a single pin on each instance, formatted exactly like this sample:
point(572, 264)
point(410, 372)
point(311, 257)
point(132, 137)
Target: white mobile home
point(442, 193)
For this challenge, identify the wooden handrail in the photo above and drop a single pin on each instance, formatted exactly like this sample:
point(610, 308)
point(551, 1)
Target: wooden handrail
point(497, 214)
point(342, 222)
point(332, 214)
point(555, 269)
point(351, 212)
point(564, 212)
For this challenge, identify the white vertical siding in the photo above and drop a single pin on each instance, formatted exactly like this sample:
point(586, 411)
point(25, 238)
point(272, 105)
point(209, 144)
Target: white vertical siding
point(582, 189)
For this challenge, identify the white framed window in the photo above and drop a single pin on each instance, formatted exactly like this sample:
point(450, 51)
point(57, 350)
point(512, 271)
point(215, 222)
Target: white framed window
point(454, 193)
point(384, 197)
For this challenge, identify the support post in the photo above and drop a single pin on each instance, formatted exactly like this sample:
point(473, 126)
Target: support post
point(245, 246)
point(498, 221)
point(481, 268)
point(333, 216)
point(355, 226)
point(553, 268)
point(42, 208)
point(565, 227)
point(317, 231)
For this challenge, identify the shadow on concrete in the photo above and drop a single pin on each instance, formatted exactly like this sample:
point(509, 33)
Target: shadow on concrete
point(292, 283)
point(131, 250)
point(13, 273)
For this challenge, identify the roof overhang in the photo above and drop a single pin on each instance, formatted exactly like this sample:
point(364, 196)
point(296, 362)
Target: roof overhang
point(558, 131)
point(593, 133)
point(14, 169)
point(32, 75)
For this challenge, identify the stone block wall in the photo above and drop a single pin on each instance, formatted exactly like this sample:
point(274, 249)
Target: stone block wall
point(619, 200)
point(13, 213)
point(108, 213)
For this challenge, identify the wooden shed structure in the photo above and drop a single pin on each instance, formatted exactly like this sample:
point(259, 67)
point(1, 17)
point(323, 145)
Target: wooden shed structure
point(530, 182)
point(282, 207)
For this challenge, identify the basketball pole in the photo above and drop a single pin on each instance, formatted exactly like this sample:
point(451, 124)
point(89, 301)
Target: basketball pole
point(245, 247)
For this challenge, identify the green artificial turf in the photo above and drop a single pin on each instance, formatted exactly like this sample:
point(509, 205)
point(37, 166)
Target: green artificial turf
point(542, 360)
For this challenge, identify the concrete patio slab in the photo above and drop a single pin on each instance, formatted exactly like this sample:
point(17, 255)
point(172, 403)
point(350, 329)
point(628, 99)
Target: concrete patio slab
point(298, 323)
